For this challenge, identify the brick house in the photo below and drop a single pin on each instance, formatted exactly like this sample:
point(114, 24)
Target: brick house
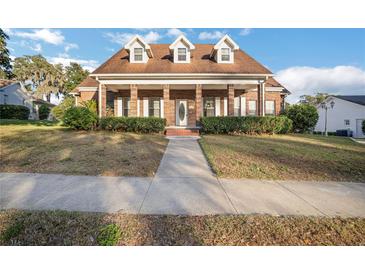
point(182, 82)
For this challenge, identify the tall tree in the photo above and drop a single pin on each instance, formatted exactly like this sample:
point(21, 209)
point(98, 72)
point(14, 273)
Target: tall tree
point(313, 100)
point(5, 61)
point(75, 74)
point(42, 77)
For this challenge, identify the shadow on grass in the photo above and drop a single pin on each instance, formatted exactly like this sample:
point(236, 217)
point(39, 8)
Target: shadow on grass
point(8, 122)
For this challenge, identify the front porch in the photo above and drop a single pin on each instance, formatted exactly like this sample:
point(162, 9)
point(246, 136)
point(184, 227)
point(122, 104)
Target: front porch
point(182, 105)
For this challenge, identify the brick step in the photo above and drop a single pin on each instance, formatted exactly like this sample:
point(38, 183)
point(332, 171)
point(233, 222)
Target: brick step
point(182, 132)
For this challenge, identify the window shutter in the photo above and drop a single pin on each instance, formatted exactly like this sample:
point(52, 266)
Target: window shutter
point(162, 108)
point(225, 106)
point(243, 106)
point(145, 107)
point(120, 106)
point(138, 107)
point(217, 106)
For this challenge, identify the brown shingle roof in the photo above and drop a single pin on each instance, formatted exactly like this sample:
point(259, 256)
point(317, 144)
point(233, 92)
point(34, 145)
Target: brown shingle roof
point(6, 82)
point(200, 63)
point(88, 82)
point(271, 82)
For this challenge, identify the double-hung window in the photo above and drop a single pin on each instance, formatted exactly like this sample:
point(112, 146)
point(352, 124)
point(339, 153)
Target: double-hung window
point(251, 107)
point(154, 106)
point(269, 107)
point(181, 54)
point(126, 106)
point(138, 54)
point(225, 52)
point(209, 107)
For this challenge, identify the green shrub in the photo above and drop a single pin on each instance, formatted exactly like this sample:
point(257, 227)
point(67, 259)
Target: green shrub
point(247, 125)
point(363, 126)
point(12, 231)
point(91, 105)
point(109, 235)
point(59, 111)
point(43, 112)
point(304, 117)
point(80, 118)
point(14, 112)
point(133, 124)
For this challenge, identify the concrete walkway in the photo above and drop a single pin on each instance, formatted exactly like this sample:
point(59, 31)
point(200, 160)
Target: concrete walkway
point(184, 184)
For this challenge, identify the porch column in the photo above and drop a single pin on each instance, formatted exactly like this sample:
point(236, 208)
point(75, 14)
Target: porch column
point(198, 102)
point(166, 104)
point(230, 100)
point(102, 100)
point(261, 99)
point(133, 101)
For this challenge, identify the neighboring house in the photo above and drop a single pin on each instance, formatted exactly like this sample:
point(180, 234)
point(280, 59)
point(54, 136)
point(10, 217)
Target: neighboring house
point(347, 113)
point(182, 82)
point(14, 93)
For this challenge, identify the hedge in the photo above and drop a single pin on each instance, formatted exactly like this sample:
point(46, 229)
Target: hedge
point(80, 118)
point(14, 112)
point(247, 125)
point(43, 111)
point(133, 124)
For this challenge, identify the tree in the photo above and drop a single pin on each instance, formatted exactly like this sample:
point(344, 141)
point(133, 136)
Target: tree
point(313, 100)
point(304, 117)
point(41, 76)
point(75, 74)
point(5, 61)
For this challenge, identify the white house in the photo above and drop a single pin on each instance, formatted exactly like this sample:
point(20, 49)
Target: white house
point(14, 93)
point(348, 112)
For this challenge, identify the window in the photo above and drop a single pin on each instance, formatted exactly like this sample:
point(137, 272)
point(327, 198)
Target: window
point(270, 107)
point(236, 107)
point(347, 122)
point(181, 54)
point(126, 106)
point(138, 54)
point(209, 107)
point(225, 54)
point(251, 107)
point(5, 99)
point(154, 107)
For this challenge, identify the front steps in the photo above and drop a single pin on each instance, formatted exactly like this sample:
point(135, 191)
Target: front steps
point(178, 131)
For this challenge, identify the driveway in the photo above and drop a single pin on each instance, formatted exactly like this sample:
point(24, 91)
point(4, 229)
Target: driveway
point(184, 184)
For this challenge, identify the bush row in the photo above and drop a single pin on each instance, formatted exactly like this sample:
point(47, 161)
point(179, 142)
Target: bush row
point(247, 125)
point(133, 124)
point(14, 112)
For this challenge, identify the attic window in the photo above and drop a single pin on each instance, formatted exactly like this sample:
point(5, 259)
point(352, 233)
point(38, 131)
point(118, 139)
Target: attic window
point(138, 54)
point(181, 53)
point(225, 54)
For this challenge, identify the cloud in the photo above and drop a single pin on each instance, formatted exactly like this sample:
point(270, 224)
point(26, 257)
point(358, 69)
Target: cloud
point(123, 37)
point(344, 80)
point(65, 60)
point(245, 32)
point(46, 35)
point(211, 35)
point(37, 47)
point(174, 32)
point(71, 46)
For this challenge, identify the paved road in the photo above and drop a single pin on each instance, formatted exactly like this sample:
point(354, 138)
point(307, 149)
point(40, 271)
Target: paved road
point(184, 184)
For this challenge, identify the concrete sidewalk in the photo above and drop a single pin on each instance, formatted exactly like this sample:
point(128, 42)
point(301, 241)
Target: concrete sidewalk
point(184, 184)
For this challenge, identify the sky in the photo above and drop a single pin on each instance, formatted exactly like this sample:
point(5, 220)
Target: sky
point(305, 61)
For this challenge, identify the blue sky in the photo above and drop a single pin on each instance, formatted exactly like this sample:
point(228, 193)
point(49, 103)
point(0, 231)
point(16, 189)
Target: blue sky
point(305, 60)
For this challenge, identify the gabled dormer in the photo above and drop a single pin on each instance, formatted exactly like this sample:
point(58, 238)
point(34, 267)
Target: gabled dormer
point(223, 51)
point(139, 50)
point(181, 50)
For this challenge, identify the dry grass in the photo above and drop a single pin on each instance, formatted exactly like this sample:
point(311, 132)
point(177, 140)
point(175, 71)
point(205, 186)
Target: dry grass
point(53, 149)
point(71, 228)
point(285, 157)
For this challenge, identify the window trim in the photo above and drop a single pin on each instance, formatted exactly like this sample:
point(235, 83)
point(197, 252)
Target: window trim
point(273, 110)
point(135, 54)
point(151, 106)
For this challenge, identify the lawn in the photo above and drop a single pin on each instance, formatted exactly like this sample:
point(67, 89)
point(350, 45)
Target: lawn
point(49, 148)
point(286, 157)
point(76, 228)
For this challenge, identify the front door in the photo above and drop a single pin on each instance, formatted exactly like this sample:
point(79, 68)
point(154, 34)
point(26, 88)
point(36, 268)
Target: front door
point(181, 112)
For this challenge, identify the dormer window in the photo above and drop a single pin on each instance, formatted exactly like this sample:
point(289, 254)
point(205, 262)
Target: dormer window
point(225, 55)
point(138, 54)
point(181, 49)
point(223, 51)
point(181, 52)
